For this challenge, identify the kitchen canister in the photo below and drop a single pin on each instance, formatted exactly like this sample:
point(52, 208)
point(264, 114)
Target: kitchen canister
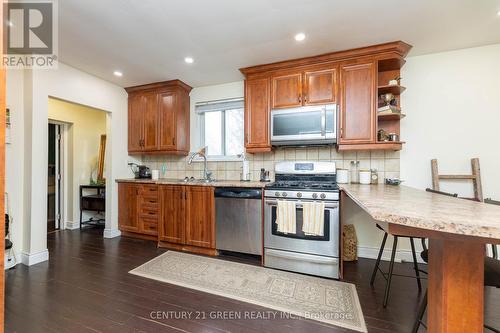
point(342, 176)
point(155, 174)
point(365, 177)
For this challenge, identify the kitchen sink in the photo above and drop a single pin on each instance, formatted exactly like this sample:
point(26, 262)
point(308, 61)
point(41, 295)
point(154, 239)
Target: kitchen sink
point(193, 180)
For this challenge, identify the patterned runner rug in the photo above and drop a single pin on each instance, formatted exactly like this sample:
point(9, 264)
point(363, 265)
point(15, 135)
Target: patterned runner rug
point(329, 301)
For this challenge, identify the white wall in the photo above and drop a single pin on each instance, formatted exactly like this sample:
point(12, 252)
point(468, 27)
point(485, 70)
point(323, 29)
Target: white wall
point(453, 114)
point(33, 88)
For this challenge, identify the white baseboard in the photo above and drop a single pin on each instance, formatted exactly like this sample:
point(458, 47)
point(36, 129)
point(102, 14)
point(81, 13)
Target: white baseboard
point(111, 233)
point(30, 259)
point(72, 225)
point(401, 255)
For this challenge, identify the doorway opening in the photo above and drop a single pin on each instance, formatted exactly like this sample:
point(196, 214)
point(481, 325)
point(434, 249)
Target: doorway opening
point(76, 183)
point(54, 179)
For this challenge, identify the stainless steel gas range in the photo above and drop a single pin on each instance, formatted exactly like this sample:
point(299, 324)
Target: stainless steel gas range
point(300, 252)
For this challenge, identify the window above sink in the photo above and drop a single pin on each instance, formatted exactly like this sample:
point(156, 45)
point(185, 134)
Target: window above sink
point(222, 128)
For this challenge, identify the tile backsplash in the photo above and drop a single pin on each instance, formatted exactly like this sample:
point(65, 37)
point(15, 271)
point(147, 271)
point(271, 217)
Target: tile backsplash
point(386, 162)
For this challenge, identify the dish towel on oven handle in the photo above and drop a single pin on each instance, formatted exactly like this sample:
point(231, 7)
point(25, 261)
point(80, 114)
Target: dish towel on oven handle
point(286, 217)
point(313, 218)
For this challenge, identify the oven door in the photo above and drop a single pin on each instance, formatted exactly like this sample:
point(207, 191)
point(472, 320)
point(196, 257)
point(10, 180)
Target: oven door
point(326, 245)
point(305, 124)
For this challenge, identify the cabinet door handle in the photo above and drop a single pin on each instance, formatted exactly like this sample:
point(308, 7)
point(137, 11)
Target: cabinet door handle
point(305, 98)
point(300, 99)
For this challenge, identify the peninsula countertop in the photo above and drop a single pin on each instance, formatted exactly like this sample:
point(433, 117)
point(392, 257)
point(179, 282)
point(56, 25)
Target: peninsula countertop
point(217, 183)
point(416, 208)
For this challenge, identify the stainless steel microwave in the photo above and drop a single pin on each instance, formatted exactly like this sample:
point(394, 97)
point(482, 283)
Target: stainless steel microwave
point(309, 125)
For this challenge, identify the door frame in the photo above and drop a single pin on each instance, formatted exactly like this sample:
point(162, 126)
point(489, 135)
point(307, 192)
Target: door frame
point(62, 163)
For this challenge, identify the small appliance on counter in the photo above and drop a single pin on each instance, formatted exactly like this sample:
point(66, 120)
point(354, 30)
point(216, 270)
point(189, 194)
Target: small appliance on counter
point(264, 175)
point(140, 171)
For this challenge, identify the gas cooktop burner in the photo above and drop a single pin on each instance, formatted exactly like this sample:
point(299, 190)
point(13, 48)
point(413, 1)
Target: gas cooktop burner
point(303, 185)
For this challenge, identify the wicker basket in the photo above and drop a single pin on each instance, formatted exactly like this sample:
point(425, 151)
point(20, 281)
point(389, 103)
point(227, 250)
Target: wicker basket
point(350, 243)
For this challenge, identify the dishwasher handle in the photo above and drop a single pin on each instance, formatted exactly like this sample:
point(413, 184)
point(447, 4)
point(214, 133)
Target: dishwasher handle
point(238, 193)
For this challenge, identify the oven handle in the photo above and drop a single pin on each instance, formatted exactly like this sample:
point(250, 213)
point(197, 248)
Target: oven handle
point(301, 257)
point(299, 204)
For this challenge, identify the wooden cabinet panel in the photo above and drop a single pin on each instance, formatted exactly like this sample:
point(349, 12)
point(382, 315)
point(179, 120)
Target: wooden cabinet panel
point(287, 90)
point(150, 120)
point(200, 216)
point(357, 103)
point(159, 118)
point(257, 115)
point(136, 104)
point(127, 207)
point(172, 216)
point(167, 128)
point(320, 86)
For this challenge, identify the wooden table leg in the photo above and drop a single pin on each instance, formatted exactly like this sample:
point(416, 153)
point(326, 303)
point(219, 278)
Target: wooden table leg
point(456, 291)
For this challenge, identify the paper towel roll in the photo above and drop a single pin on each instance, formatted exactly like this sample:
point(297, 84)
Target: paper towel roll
point(246, 169)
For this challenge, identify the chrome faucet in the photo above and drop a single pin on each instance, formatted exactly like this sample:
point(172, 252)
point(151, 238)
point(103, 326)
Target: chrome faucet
point(207, 175)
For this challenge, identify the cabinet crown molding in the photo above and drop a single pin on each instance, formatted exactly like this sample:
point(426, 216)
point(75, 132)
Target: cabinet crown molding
point(386, 50)
point(159, 85)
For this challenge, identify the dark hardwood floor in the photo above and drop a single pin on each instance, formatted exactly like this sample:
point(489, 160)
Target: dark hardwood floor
point(85, 288)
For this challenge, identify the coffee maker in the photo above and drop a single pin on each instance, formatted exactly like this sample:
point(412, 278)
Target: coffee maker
point(140, 171)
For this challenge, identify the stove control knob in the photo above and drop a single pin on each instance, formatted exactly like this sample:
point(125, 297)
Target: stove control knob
point(315, 196)
point(322, 196)
point(277, 194)
point(299, 195)
point(284, 194)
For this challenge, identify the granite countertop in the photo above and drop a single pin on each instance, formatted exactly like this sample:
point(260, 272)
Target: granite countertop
point(420, 209)
point(218, 183)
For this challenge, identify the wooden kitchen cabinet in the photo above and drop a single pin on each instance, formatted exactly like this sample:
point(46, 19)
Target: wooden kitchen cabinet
point(358, 88)
point(158, 120)
point(351, 79)
point(187, 221)
point(310, 87)
point(127, 207)
point(172, 217)
point(136, 103)
point(286, 90)
point(257, 115)
point(138, 210)
point(320, 86)
point(200, 216)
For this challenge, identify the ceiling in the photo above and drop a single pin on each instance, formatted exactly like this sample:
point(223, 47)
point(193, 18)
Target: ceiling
point(148, 39)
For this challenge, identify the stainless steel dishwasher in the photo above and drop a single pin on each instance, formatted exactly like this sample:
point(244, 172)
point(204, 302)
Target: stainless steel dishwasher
point(239, 220)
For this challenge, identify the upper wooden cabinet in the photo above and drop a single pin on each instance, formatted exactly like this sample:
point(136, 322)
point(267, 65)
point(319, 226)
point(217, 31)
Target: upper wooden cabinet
point(357, 103)
point(158, 120)
point(257, 115)
point(287, 90)
point(352, 79)
point(320, 86)
point(308, 87)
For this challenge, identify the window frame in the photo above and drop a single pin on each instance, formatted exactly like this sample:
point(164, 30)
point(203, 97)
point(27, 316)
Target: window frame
point(223, 157)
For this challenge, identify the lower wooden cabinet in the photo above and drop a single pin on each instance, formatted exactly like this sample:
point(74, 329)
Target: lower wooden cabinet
point(138, 210)
point(187, 219)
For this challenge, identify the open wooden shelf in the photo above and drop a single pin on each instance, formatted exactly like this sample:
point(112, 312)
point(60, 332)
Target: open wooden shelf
point(394, 89)
point(393, 116)
point(385, 145)
point(390, 64)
